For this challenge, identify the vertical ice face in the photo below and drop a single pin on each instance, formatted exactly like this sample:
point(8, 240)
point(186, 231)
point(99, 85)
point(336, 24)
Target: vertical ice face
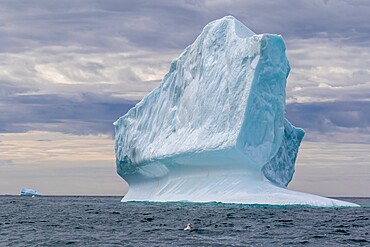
point(201, 101)
point(214, 129)
point(280, 168)
point(227, 89)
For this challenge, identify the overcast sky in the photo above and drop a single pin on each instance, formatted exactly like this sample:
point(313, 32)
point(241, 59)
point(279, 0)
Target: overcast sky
point(74, 67)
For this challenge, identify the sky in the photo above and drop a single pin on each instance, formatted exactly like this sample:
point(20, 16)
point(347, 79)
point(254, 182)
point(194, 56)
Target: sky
point(69, 69)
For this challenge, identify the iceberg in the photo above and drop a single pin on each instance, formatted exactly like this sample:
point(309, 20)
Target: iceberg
point(215, 128)
point(29, 192)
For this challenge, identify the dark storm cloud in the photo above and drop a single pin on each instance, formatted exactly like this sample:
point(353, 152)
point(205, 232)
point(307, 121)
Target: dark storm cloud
point(328, 117)
point(87, 114)
point(97, 25)
point(165, 24)
point(341, 114)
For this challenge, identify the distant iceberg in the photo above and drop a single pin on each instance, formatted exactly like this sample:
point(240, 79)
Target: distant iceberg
point(215, 128)
point(29, 192)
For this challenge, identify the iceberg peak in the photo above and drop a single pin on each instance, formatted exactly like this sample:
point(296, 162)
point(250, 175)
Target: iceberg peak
point(228, 25)
point(215, 128)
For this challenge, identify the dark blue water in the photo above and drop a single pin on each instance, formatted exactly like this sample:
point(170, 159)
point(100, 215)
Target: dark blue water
point(104, 221)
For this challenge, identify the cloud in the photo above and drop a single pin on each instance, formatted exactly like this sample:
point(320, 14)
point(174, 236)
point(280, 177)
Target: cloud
point(341, 21)
point(344, 121)
point(332, 169)
point(76, 66)
point(85, 114)
point(6, 162)
point(65, 164)
point(325, 71)
point(26, 149)
point(59, 61)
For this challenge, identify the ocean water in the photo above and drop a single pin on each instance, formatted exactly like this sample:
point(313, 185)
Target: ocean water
point(105, 221)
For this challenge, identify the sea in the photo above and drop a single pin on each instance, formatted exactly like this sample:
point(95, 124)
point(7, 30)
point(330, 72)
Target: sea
point(105, 221)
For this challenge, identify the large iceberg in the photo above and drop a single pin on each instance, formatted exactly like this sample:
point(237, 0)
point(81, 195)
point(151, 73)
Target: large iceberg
point(214, 129)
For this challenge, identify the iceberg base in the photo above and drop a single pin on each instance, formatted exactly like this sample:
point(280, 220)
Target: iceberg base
point(216, 184)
